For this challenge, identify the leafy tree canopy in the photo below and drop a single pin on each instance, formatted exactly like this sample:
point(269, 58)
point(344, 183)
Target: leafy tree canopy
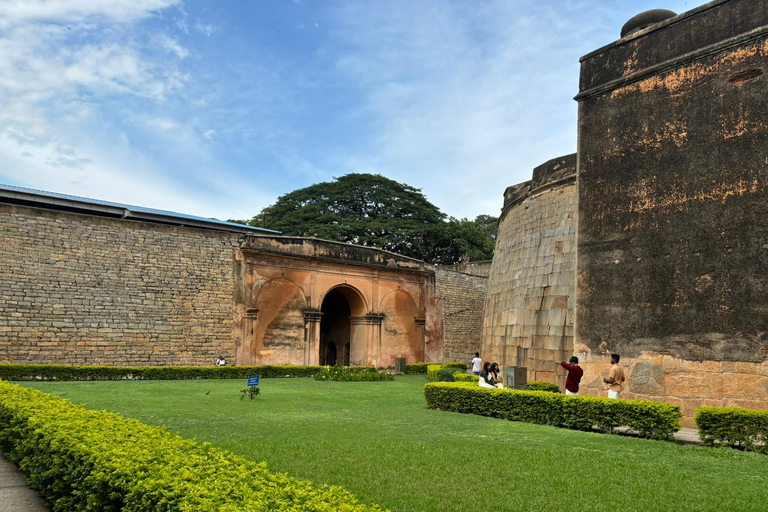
point(374, 211)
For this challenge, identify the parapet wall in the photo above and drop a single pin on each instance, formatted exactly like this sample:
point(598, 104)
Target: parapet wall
point(79, 289)
point(528, 316)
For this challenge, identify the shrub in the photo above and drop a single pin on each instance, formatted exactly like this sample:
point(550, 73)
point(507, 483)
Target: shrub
point(421, 368)
point(465, 377)
point(534, 385)
point(731, 426)
point(96, 460)
point(434, 369)
point(446, 374)
point(351, 373)
point(656, 420)
point(23, 372)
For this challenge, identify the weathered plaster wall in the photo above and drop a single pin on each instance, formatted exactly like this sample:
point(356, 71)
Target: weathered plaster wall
point(673, 187)
point(528, 316)
point(459, 308)
point(78, 289)
point(281, 285)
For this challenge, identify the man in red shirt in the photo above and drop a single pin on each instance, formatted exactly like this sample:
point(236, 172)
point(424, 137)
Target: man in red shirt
point(574, 376)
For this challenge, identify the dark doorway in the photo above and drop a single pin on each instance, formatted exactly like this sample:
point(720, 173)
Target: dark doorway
point(334, 329)
point(330, 354)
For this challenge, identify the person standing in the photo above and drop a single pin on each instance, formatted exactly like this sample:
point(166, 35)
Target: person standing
point(477, 364)
point(575, 372)
point(615, 380)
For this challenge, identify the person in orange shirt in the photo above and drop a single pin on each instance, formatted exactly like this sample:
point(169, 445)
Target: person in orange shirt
point(615, 380)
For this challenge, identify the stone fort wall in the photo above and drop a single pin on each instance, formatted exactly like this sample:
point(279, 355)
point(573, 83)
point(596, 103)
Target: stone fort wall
point(79, 289)
point(459, 300)
point(528, 317)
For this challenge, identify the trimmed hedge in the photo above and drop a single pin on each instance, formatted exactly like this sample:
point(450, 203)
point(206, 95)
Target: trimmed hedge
point(351, 374)
point(421, 368)
point(95, 460)
point(24, 372)
point(535, 385)
point(656, 420)
point(466, 377)
point(434, 369)
point(731, 426)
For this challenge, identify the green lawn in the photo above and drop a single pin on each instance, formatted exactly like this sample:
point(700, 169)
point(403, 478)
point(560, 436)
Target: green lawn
point(379, 441)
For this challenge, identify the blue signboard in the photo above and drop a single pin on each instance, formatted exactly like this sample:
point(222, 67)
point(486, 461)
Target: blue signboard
point(253, 381)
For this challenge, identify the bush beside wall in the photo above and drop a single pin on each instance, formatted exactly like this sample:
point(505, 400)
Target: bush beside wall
point(352, 374)
point(656, 420)
point(24, 372)
point(465, 377)
point(731, 426)
point(95, 460)
point(421, 368)
point(535, 385)
point(434, 369)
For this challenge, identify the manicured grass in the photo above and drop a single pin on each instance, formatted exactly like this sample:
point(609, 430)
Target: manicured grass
point(379, 441)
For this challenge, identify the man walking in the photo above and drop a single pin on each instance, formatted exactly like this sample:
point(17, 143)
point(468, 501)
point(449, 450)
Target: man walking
point(616, 377)
point(477, 364)
point(574, 376)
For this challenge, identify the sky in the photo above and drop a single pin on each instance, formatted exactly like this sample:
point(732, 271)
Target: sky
point(216, 108)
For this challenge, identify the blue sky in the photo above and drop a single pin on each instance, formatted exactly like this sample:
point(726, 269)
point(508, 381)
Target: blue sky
point(216, 108)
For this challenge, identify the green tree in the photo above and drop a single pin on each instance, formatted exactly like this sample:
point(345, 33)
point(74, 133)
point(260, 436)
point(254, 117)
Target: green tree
point(374, 211)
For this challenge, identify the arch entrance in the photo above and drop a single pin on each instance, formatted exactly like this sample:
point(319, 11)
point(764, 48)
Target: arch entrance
point(342, 334)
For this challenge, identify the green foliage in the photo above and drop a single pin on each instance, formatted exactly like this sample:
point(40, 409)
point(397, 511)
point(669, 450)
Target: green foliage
point(421, 368)
point(352, 374)
point(250, 392)
point(731, 426)
point(25, 372)
point(373, 211)
point(534, 385)
point(656, 420)
point(434, 369)
point(466, 377)
point(446, 374)
point(96, 460)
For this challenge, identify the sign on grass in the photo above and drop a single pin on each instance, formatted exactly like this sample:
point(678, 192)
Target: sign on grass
point(253, 381)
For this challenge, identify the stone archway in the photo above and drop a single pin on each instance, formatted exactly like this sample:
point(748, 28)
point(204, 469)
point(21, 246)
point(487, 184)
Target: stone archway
point(342, 336)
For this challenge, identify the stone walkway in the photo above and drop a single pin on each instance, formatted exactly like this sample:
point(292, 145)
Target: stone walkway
point(15, 496)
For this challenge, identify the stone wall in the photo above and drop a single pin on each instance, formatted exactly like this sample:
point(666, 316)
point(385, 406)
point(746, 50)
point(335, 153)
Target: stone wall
point(528, 317)
point(673, 187)
point(473, 268)
point(459, 302)
point(80, 289)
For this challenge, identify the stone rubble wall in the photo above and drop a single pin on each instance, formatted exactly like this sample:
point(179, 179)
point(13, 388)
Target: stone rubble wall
point(459, 304)
point(84, 290)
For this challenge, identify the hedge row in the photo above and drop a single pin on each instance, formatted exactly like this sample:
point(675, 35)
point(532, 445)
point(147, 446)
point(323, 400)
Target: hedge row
point(24, 372)
point(656, 420)
point(82, 460)
point(433, 369)
point(732, 426)
point(421, 368)
point(352, 374)
point(466, 377)
point(535, 385)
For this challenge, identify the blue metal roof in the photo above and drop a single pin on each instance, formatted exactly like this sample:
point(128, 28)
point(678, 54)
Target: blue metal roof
point(53, 199)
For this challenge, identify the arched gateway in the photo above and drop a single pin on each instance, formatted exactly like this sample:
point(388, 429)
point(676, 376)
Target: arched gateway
point(302, 301)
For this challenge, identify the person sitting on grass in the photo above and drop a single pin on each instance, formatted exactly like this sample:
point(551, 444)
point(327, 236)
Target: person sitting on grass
point(485, 379)
point(498, 382)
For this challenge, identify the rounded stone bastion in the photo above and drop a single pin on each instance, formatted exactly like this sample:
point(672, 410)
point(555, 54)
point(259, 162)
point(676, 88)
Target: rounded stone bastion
point(528, 315)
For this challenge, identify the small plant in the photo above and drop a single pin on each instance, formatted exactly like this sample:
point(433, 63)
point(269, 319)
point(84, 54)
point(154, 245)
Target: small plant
point(250, 392)
point(449, 374)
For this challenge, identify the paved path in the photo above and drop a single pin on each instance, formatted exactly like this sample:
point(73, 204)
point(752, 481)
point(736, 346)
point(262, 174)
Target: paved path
point(15, 496)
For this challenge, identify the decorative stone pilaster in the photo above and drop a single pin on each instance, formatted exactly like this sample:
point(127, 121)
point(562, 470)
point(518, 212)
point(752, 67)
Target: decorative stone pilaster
point(312, 319)
point(421, 337)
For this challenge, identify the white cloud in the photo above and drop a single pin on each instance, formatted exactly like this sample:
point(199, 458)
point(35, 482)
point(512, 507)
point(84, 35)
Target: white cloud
point(68, 11)
point(172, 46)
point(208, 134)
point(206, 30)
